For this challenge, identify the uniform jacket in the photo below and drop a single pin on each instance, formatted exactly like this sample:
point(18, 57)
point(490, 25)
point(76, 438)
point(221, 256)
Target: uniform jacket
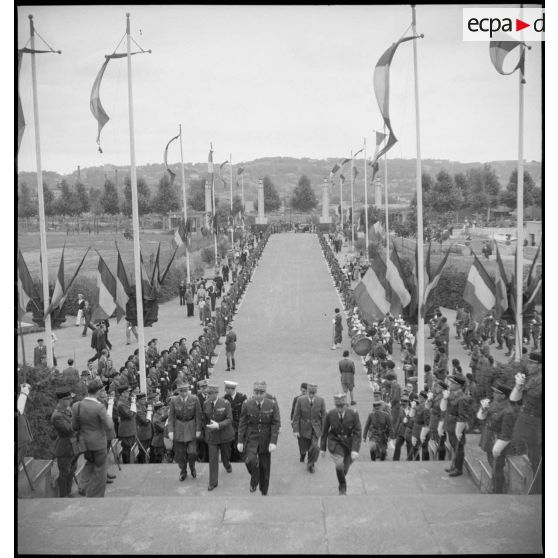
point(347, 433)
point(143, 426)
point(70, 376)
point(127, 418)
point(378, 426)
point(39, 355)
point(259, 428)
point(338, 323)
point(236, 407)
point(295, 399)
point(185, 418)
point(221, 413)
point(456, 411)
point(422, 418)
point(230, 341)
point(158, 429)
point(62, 422)
point(308, 420)
point(346, 365)
point(98, 340)
point(93, 423)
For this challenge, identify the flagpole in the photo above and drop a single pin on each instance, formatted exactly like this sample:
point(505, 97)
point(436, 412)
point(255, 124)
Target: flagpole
point(40, 195)
point(386, 209)
point(135, 216)
point(341, 203)
point(365, 200)
point(519, 270)
point(242, 182)
point(352, 203)
point(185, 205)
point(232, 217)
point(214, 220)
point(420, 226)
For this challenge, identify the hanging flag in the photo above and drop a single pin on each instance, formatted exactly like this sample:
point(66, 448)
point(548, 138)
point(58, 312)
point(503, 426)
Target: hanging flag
point(381, 89)
point(25, 288)
point(372, 296)
point(162, 277)
point(171, 173)
point(532, 276)
point(146, 284)
point(59, 286)
point(181, 234)
point(432, 279)
point(221, 175)
point(534, 283)
point(122, 288)
point(358, 152)
point(20, 115)
point(239, 171)
point(155, 273)
point(355, 173)
point(335, 168)
point(499, 50)
point(396, 280)
point(342, 177)
point(479, 289)
point(106, 291)
point(500, 286)
point(345, 161)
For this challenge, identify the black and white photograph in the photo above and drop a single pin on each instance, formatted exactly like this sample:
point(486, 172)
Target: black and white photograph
point(279, 279)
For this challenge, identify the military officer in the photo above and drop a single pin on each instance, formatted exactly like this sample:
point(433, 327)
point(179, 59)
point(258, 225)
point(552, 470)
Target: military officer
point(454, 405)
point(39, 353)
point(258, 431)
point(219, 431)
point(230, 347)
point(184, 425)
point(303, 388)
point(309, 414)
point(144, 429)
point(158, 422)
point(127, 428)
point(378, 430)
point(236, 400)
point(203, 450)
point(66, 460)
point(421, 429)
point(436, 425)
point(341, 434)
point(337, 329)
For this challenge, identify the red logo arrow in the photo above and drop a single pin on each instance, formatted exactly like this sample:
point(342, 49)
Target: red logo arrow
point(519, 25)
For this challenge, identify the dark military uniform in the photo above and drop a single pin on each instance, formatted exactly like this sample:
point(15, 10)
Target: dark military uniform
point(185, 420)
point(66, 460)
point(378, 429)
point(236, 407)
point(127, 428)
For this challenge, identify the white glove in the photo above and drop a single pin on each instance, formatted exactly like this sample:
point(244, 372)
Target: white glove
point(25, 389)
point(407, 412)
point(271, 448)
point(354, 455)
point(430, 396)
point(198, 434)
point(212, 425)
point(414, 405)
point(445, 393)
point(441, 428)
point(240, 447)
point(295, 434)
point(171, 436)
point(332, 321)
point(485, 403)
point(414, 440)
point(519, 379)
point(391, 444)
point(322, 453)
point(498, 447)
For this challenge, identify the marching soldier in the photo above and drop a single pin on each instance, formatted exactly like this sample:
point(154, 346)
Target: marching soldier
point(337, 329)
point(307, 423)
point(217, 419)
point(236, 400)
point(378, 430)
point(184, 425)
point(203, 450)
point(258, 431)
point(341, 434)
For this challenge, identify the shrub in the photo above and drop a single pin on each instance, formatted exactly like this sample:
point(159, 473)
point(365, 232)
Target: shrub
point(208, 255)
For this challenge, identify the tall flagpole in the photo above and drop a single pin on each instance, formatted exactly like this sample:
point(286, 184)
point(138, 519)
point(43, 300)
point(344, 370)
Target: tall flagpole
point(214, 219)
point(40, 194)
point(365, 200)
point(519, 270)
point(341, 203)
point(420, 226)
point(232, 217)
point(135, 216)
point(352, 205)
point(386, 208)
point(185, 206)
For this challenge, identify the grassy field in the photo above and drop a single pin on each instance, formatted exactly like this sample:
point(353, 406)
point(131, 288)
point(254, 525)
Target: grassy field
point(104, 243)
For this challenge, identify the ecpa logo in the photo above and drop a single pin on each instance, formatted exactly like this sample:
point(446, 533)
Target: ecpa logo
point(487, 24)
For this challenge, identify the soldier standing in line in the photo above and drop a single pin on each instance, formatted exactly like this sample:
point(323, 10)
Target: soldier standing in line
point(230, 347)
point(258, 431)
point(337, 329)
point(203, 450)
point(341, 435)
point(309, 414)
point(144, 428)
point(347, 371)
point(236, 400)
point(454, 405)
point(421, 429)
point(184, 425)
point(436, 420)
point(157, 443)
point(217, 419)
point(127, 429)
point(378, 430)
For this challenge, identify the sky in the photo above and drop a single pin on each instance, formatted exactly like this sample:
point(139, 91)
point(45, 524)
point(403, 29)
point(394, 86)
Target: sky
point(263, 81)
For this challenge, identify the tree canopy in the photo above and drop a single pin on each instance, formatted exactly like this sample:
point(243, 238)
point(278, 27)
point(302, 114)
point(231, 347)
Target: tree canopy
point(304, 199)
point(166, 199)
point(144, 197)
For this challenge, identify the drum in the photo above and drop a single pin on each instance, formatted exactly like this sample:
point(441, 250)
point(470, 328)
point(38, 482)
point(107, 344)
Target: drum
point(361, 344)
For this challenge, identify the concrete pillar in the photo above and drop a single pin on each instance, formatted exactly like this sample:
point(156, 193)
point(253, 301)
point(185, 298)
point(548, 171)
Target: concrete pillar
point(261, 219)
point(325, 218)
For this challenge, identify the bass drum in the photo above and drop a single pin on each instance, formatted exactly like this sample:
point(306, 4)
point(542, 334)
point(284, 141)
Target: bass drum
point(361, 344)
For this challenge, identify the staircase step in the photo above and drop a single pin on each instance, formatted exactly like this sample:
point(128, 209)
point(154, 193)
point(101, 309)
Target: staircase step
point(248, 524)
point(40, 473)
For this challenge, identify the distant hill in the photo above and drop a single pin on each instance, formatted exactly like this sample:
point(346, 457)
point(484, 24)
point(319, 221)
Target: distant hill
point(284, 172)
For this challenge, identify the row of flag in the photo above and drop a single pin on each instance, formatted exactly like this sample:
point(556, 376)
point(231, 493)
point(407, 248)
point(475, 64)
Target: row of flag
point(485, 294)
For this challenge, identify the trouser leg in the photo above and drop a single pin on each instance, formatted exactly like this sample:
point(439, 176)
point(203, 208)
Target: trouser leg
point(265, 471)
point(213, 464)
point(126, 442)
point(313, 451)
point(180, 455)
point(498, 477)
point(98, 477)
point(397, 451)
point(65, 476)
point(253, 467)
point(302, 446)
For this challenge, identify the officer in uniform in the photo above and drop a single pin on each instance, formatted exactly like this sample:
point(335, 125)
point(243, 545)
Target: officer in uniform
point(378, 430)
point(230, 347)
point(219, 431)
point(436, 425)
point(39, 353)
point(337, 329)
point(500, 419)
point(127, 428)
point(454, 405)
point(341, 435)
point(258, 431)
point(236, 400)
point(61, 420)
point(144, 429)
point(309, 414)
point(158, 422)
point(421, 429)
point(347, 371)
point(303, 388)
point(203, 450)
point(184, 425)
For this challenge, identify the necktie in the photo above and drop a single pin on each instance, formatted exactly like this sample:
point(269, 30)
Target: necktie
point(311, 402)
point(341, 417)
point(260, 406)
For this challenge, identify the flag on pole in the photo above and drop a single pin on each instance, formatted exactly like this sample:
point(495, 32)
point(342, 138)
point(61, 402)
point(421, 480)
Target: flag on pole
point(500, 286)
point(342, 177)
point(161, 278)
point(122, 288)
point(479, 289)
point(335, 168)
point(239, 171)
point(432, 279)
point(171, 173)
point(396, 280)
point(106, 291)
point(221, 175)
point(345, 161)
point(20, 115)
point(25, 288)
point(381, 90)
point(146, 284)
point(371, 294)
point(358, 152)
point(499, 51)
point(181, 234)
point(155, 273)
point(355, 173)
point(534, 283)
point(59, 286)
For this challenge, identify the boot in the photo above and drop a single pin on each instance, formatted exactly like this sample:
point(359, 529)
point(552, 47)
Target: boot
point(342, 481)
point(228, 365)
point(233, 363)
